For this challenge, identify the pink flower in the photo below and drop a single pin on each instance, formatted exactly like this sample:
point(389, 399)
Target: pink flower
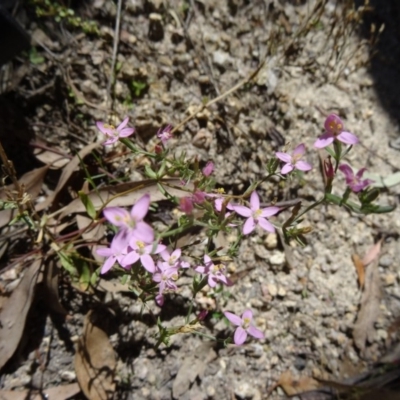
point(293, 161)
point(255, 215)
point(199, 197)
point(173, 259)
point(334, 131)
point(165, 134)
point(115, 133)
point(116, 252)
point(139, 250)
point(354, 181)
point(215, 272)
point(165, 276)
point(208, 169)
point(132, 223)
point(244, 327)
point(186, 205)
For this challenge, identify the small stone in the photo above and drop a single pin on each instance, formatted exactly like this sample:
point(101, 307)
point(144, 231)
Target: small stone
point(271, 241)
point(272, 289)
point(382, 334)
point(262, 252)
point(210, 391)
point(244, 390)
point(145, 391)
point(274, 360)
point(151, 378)
point(282, 291)
point(390, 279)
point(68, 376)
point(277, 259)
point(221, 58)
point(386, 261)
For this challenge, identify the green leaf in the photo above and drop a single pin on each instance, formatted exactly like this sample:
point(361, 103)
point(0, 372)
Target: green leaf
point(383, 182)
point(88, 204)
point(67, 263)
point(34, 57)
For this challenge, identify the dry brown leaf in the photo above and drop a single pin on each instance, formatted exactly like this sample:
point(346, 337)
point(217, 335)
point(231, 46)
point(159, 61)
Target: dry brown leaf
point(369, 309)
point(66, 174)
point(111, 286)
point(135, 191)
point(373, 253)
point(95, 361)
point(50, 158)
point(63, 392)
point(360, 269)
point(293, 386)
point(15, 310)
point(93, 234)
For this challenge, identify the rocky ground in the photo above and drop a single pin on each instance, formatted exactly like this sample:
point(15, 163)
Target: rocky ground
point(317, 57)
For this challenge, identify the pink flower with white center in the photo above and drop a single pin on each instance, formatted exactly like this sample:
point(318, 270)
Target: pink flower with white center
point(354, 182)
point(244, 326)
point(139, 250)
point(294, 161)
point(116, 252)
point(173, 259)
point(165, 276)
point(132, 222)
point(215, 272)
point(334, 131)
point(208, 169)
point(186, 205)
point(164, 134)
point(114, 133)
point(255, 215)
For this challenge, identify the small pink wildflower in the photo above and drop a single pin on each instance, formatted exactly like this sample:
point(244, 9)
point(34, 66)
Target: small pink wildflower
point(164, 134)
point(334, 131)
point(116, 252)
point(208, 169)
point(173, 259)
point(114, 133)
point(215, 272)
point(139, 250)
point(244, 326)
point(255, 215)
point(354, 182)
point(293, 161)
point(186, 205)
point(166, 276)
point(132, 222)
point(199, 197)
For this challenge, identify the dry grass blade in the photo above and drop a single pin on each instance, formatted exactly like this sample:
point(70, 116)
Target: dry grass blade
point(51, 275)
point(364, 327)
point(125, 194)
point(360, 269)
point(15, 310)
point(62, 392)
point(95, 361)
point(66, 174)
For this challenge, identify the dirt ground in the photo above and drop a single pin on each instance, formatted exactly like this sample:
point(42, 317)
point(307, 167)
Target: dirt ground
point(317, 57)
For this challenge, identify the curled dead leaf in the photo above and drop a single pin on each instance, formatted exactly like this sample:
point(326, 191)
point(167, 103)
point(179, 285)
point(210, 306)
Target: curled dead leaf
point(95, 361)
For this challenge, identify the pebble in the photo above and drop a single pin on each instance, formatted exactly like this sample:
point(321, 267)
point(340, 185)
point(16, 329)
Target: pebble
point(262, 252)
point(244, 390)
point(386, 261)
point(272, 289)
point(277, 259)
point(282, 291)
point(271, 241)
point(68, 376)
point(390, 279)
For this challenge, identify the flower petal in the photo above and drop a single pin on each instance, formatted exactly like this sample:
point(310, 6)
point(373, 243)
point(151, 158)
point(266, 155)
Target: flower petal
point(266, 225)
point(360, 173)
point(254, 201)
point(108, 264)
point(130, 258)
point(104, 252)
point(144, 232)
point(269, 211)
point(117, 216)
point(332, 123)
point(248, 314)
point(235, 319)
point(249, 226)
point(253, 331)
point(303, 165)
point(300, 149)
point(242, 210)
point(286, 169)
point(284, 157)
point(348, 172)
point(348, 138)
point(240, 336)
point(123, 124)
point(324, 140)
point(126, 132)
point(140, 209)
point(148, 263)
